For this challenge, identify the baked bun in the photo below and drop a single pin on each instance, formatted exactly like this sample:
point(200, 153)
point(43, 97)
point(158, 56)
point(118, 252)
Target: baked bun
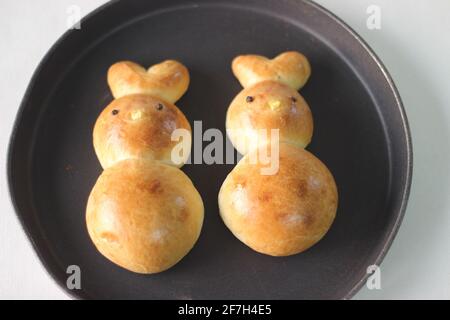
point(291, 68)
point(168, 80)
point(281, 214)
point(139, 126)
point(144, 215)
point(264, 106)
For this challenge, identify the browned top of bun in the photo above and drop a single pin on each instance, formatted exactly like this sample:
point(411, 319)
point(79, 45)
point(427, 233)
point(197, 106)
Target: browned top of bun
point(269, 105)
point(280, 214)
point(144, 215)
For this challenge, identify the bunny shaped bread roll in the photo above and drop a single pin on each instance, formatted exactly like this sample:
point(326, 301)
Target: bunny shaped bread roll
point(290, 209)
point(269, 101)
point(144, 214)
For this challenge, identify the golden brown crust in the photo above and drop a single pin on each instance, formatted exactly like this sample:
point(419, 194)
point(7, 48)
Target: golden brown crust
point(291, 68)
point(138, 126)
point(281, 214)
point(264, 106)
point(167, 80)
point(143, 215)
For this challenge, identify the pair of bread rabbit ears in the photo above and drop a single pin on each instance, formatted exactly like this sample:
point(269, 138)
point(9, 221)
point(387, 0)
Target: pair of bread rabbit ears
point(169, 79)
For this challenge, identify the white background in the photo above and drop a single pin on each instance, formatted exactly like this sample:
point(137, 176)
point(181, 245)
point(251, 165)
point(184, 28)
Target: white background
point(414, 43)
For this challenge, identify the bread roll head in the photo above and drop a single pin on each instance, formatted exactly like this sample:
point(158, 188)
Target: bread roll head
point(143, 215)
point(264, 106)
point(139, 126)
point(281, 214)
point(167, 80)
point(291, 68)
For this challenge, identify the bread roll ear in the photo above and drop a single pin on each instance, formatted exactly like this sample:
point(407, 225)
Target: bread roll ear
point(291, 68)
point(167, 80)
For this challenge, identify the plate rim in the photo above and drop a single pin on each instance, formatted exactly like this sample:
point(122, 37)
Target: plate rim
point(365, 46)
point(408, 142)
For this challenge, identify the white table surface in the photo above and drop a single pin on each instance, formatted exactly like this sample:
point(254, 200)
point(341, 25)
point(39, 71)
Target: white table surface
point(413, 42)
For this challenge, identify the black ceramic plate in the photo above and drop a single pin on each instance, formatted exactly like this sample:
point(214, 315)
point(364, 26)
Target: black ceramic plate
point(361, 133)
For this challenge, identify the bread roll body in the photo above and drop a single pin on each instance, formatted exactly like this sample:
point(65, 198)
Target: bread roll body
point(281, 214)
point(143, 215)
point(139, 126)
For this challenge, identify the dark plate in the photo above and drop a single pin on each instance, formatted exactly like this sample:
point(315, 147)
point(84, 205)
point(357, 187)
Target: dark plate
point(361, 133)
